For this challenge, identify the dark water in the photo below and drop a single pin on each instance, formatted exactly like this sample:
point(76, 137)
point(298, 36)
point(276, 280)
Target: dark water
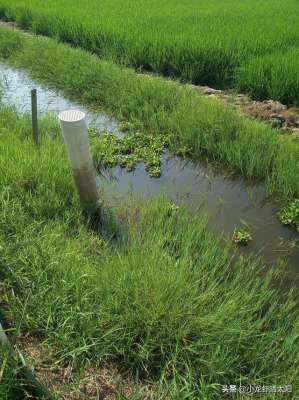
point(228, 201)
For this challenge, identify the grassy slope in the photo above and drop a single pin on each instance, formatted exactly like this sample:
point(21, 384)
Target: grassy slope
point(187, 119)
point(162, 300)
point(199, 41)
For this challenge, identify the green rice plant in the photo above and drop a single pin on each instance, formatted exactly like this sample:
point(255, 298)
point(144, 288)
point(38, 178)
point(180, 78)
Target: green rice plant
point(200, 41)
point(272, 76)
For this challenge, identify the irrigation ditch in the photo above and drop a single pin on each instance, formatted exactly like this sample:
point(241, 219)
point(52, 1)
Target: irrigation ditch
point(229, 201)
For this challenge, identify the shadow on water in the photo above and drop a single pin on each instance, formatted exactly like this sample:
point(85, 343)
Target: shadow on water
point(230, 203)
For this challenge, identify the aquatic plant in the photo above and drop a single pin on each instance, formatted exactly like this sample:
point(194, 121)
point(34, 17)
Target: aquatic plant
point(127, 151)
point(241, 237)
point(290, 215)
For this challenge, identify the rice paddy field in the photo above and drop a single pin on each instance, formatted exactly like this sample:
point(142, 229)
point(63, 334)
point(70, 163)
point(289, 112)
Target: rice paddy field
point(250, 46)
point(144, 300)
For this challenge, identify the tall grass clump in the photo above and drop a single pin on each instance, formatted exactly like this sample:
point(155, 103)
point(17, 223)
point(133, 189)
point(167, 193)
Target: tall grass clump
point(198, 42)
point(164, 299)
point(207, 128)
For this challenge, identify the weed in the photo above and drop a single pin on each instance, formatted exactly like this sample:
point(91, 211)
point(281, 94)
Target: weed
point(241, 237)
point(10, 382)
point(290, 215)
point(110, 150)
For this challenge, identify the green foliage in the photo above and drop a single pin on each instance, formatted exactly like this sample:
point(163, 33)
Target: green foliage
point(273, 76)
point(9, 43)
point(166, 111)
point(290, 215)
point(164, 301)
point(127, 151)
point(199, 41)
point(241, 237)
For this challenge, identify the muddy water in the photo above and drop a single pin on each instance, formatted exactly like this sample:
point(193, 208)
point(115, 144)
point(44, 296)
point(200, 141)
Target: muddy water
point(229, 202)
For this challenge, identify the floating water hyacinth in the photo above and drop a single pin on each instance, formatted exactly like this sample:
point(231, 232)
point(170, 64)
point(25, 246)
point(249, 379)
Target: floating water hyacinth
point(290, 215)
point(241, 237)
point(127, 151)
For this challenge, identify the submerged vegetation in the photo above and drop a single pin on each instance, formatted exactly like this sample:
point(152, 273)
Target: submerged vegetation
point(162, 109)
point(253, 46)
point(163, 299)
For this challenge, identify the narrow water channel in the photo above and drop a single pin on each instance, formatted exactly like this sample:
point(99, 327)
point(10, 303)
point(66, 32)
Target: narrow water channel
point(229, 202)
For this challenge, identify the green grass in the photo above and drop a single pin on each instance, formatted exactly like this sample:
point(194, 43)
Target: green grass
point(183, 117)
point(162, 299)
point(200, 41)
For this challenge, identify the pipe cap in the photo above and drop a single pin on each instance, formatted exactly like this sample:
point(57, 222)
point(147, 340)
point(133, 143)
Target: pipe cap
point(71, 116)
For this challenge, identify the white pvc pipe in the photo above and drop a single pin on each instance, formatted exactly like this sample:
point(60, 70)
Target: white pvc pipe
point(75, 134)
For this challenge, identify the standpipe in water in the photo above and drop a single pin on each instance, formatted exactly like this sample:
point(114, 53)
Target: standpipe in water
point(75, 134)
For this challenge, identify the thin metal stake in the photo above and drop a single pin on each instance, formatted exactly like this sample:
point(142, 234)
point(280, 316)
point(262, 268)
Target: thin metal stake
point(34, 116)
